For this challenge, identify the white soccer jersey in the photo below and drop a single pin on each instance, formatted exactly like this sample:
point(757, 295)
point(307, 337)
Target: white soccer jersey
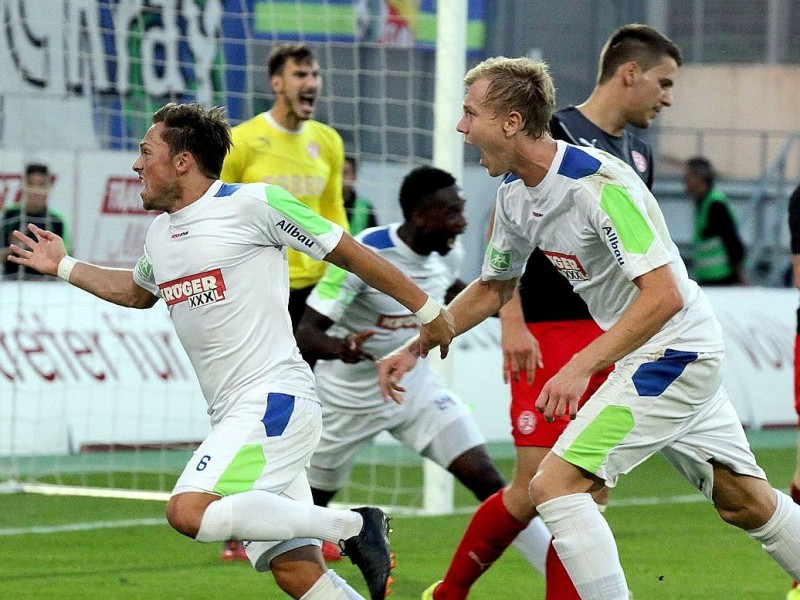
point(600, 226)
point(220, 265)
point(354, 307)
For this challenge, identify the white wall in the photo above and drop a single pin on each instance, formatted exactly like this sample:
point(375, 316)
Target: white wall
point(75, 370)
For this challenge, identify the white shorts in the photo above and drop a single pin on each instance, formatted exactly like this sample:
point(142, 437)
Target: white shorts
point(671, 402)
point(428, 409)
point(264, 445)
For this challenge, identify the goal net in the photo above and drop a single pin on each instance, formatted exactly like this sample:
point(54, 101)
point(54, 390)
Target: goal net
point(98, 399)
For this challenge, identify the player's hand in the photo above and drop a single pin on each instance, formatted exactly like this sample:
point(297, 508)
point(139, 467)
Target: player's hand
point(521, 353)
point(438, 332)
point(391, 369)
point(42, 252)
point(562, 392)
point(351, 351)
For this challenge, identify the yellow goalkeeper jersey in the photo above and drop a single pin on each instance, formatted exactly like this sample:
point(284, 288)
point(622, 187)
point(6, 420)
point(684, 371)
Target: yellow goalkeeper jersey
point(307, 162)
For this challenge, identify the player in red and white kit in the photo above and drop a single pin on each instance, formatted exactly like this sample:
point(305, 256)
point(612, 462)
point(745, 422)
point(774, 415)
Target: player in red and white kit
point(794, 237)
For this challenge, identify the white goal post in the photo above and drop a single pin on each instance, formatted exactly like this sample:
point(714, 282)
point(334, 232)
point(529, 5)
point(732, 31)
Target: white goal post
point(448, 154)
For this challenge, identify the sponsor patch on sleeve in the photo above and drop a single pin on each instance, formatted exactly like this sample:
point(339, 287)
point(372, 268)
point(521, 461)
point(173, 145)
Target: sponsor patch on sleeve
point(500, 261)
point(144, 268)
point(294, 231)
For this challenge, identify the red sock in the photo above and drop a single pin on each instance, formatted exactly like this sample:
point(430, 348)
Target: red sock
point(490, 532)
point(559, 585)
point(796, 497)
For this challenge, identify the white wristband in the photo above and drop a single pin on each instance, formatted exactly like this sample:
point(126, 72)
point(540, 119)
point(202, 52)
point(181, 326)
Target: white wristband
point(65, 266)
point(429, 311)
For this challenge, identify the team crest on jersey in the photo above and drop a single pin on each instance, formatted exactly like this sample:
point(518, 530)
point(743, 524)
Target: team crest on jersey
point(394, 322)
point(526, 422)
point(144, 267)
point(313, 149)
point(639, 160)
point(198, 290)
point(568, 265)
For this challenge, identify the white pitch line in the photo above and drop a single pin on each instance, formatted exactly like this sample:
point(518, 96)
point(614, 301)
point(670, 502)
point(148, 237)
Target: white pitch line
point(82, 526)
point(49, 489)
point(644, 501)
point(649, 500)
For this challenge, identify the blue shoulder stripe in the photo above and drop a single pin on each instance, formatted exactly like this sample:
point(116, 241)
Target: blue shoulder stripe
point(227, 189)
point(509, 178)
point(378, 239)
point(577, 164)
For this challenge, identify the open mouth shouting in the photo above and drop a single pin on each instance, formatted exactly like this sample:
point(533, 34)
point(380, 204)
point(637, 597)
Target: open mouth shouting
point(306, 103)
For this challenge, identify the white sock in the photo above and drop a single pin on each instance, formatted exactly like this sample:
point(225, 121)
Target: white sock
point(586, 546)
point(533, 542)
point(261, 516)
point(780, 536)
point(331, 587)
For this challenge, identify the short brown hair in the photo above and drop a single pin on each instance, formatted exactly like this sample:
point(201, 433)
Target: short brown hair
point(298, 51)
point(639, 43)
point(518, 84)
point(206, 134)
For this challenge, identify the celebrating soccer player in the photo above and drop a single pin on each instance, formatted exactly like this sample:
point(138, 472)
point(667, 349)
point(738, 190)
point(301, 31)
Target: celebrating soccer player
point(595, 219)
point(216, 256)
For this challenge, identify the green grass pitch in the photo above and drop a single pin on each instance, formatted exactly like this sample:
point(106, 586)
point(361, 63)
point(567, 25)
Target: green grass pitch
point(50, 547)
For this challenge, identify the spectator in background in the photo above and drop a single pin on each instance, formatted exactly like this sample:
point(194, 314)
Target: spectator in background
point(717, 252)
point(794, 235)
point(360, 213)
point(32, 209)
point(287, 147)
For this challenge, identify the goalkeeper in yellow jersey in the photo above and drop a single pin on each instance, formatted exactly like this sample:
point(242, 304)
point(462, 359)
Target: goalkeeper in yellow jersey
point(287, 147)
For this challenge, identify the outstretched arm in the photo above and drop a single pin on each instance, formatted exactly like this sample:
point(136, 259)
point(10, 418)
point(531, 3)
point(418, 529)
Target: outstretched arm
point(45, 252)
point(379, 273)
point(479, 300)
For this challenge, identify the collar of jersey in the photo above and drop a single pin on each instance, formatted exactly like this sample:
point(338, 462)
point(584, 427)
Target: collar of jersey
point(187, 212)
point(551, 172)
point(274, 124)
point(402, 247)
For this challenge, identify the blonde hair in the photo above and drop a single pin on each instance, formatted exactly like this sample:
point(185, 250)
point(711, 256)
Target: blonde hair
point(518, 84)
